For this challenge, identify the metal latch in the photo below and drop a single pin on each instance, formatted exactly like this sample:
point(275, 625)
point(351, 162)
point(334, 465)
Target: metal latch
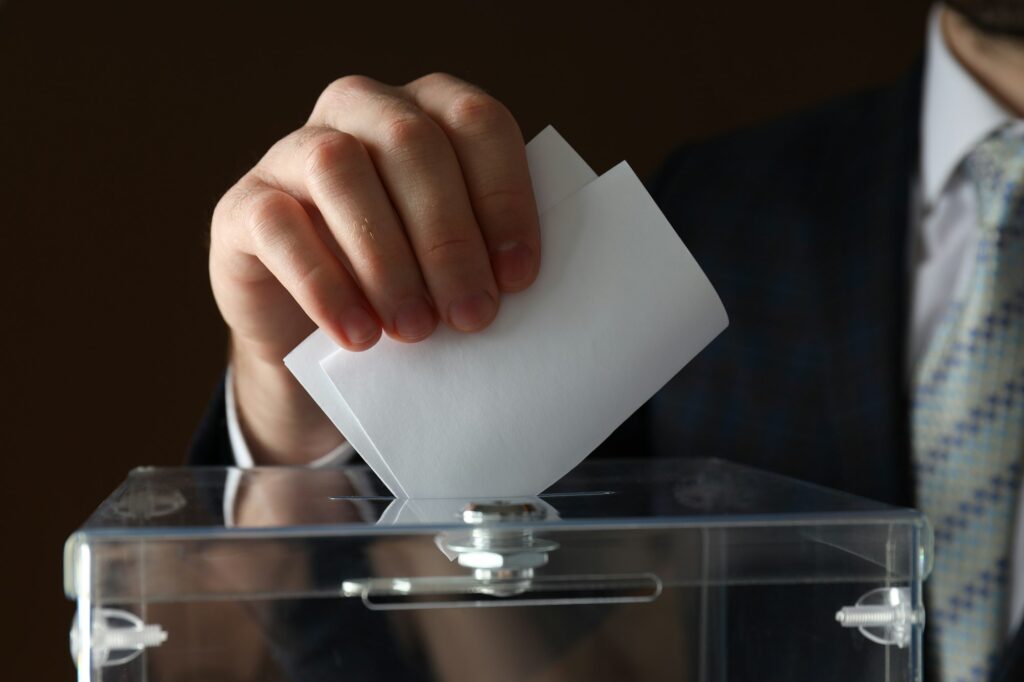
point(502, 560)
point(499, 546)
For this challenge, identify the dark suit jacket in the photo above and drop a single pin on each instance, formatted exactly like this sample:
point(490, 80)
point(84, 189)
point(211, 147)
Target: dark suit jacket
point(802, 227)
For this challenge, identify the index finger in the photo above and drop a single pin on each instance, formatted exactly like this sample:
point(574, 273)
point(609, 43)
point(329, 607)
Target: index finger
point(491, 153)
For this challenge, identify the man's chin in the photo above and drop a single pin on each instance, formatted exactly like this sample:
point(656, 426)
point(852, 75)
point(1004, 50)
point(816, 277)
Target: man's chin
point(998, 17)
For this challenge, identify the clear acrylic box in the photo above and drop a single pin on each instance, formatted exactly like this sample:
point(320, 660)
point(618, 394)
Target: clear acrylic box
point(682, 569)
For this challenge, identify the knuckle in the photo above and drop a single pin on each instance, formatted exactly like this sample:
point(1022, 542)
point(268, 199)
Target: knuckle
point(478, 112)
point(348, 86)
point(330, 150)
point(225, 209)
point(448, 249)
point(506, 199)
point(438, 79)
point(230, 214)
point(508, 208)
point(265, 212)
point(342, 92)
point(309, 284)
point(220, 222)
point(407, 129)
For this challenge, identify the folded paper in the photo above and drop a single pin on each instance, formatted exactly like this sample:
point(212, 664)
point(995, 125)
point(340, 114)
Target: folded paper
point(557, 172)
point(619, 307)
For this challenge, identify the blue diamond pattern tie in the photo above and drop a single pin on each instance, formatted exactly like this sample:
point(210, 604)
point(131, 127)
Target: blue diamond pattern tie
point(968, 426)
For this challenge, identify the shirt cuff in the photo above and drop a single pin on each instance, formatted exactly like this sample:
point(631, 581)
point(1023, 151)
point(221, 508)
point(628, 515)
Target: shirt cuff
point(240, 449)
point(243, 456)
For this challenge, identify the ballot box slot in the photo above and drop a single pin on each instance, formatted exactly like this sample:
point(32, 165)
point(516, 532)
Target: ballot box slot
point(543, 496)
point(382, 594)
point(502, 561)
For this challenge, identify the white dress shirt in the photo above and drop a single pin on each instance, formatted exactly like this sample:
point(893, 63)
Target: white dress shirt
point(240, 449)
point(956, 114)
point(244, 460)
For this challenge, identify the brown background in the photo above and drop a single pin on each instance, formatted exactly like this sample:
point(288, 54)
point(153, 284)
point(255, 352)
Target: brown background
point(121, 125)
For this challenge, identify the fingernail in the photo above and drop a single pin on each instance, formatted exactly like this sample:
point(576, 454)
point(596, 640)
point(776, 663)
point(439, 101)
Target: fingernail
point(513, 263)
point(414, 319)
point(472, 312)
point(359, 326)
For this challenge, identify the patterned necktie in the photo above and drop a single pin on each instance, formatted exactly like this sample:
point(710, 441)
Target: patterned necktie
point(968, 426)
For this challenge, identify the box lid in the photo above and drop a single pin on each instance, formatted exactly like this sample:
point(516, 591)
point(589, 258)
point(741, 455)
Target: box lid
point(606, 513)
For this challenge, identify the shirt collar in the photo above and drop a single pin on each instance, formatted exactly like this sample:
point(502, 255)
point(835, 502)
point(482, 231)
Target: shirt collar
point(958, 113)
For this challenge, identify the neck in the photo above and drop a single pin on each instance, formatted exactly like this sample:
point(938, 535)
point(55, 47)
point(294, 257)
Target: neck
point(997, 62)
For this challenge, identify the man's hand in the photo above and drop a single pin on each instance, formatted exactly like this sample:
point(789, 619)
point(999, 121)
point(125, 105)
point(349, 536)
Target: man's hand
point(391, 209)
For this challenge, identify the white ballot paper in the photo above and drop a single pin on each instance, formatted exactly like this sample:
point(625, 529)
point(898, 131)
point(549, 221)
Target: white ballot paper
point(557, 172)
point(618, 308)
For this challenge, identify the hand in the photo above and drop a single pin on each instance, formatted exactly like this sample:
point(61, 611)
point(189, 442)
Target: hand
point(391, 209)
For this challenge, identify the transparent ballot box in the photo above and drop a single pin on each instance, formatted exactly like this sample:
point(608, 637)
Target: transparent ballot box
point(681, 569)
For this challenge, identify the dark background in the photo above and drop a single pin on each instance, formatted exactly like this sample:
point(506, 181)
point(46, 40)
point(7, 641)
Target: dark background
point(121, 125)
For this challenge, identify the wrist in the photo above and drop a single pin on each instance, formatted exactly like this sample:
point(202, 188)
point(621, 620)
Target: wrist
point(279, 421)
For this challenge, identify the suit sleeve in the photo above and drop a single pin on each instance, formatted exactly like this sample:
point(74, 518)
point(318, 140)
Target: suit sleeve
point(211, 445)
